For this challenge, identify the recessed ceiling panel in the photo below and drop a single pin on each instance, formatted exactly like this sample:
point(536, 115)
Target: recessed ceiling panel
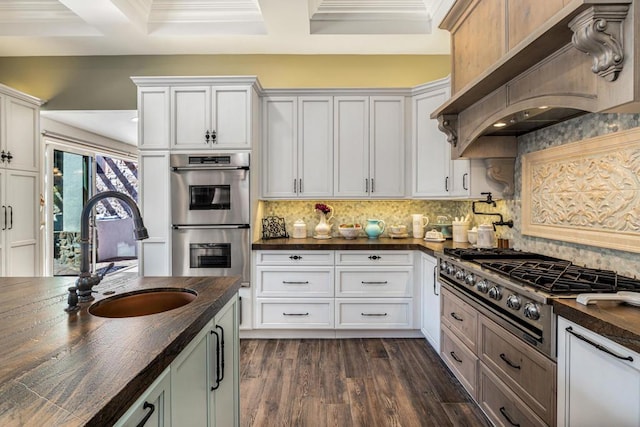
point(188, 17)
point(41, 18)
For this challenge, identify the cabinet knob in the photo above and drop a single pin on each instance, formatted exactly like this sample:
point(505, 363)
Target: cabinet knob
point(375, 257)
point(295, 257)
point(207, 135)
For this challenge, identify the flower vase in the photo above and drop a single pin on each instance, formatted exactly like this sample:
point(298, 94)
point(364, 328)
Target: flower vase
point(323, 229)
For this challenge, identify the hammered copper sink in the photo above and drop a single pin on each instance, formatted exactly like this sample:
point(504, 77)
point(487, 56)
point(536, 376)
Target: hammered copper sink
point(143, 302)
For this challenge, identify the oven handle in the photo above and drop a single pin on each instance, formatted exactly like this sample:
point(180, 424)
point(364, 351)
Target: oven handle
point(210, 226)
point(209, 168)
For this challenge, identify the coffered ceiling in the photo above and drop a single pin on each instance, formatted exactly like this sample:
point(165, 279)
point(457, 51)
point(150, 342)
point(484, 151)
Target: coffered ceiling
point(129, 27)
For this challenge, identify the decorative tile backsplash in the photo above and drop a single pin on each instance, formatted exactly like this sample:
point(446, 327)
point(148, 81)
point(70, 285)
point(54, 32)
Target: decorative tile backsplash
point(584, 127)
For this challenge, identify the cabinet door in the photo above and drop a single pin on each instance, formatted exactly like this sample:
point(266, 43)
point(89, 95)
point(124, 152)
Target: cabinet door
point(351, 146)
point(279, 171)
point(231, 117)
point(155, 209)
point(153, 112)
point(225, 399)
point(431, 153)
point(387, 158)
point(315, 146)
point(595, 388)
point(21, 136)
point(460, 178)
point(190, 117)
point(155, 404)
point(21, 223)
point(190, 382)
point(430, 302)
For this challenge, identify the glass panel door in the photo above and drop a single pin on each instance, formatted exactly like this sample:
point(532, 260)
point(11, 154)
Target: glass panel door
point(72, 187)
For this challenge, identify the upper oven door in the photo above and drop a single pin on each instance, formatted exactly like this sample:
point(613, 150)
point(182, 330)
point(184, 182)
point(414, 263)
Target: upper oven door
point(210, 189)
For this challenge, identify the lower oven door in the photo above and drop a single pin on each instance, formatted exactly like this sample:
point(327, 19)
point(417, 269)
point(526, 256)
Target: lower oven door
point(211, 250)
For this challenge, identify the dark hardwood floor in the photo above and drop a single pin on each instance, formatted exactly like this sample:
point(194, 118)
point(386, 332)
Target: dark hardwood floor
point(350, 382)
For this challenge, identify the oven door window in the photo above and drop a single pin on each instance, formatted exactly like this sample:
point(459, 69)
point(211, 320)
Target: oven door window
point(210, 255)
point(209, 197)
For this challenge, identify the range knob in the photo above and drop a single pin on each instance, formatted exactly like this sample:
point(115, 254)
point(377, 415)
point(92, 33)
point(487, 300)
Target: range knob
point(495, 293)
point(483, 286)
point(532, 311)
point(450, 269)
point(460, 274)
point(470, 279)
point(443, 266)
point(513, 302)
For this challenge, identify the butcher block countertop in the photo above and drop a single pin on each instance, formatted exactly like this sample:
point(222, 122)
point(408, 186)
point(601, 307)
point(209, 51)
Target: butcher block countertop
point(77, 369)
point(361, 243)
point(616, 321)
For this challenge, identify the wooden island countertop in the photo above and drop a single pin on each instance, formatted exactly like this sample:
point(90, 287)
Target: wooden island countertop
point(78, 369)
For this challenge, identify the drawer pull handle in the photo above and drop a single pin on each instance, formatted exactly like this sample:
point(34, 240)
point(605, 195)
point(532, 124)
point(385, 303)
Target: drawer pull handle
point(375, 257)
point(147, 405)
point(455, 316)
point(503, 411)
point(295, 314)
point(295, 283)
point(508, 362)
point(455, 357)
point(374, 314)
point(374, 283)
point(295, 257)
point(596, 345)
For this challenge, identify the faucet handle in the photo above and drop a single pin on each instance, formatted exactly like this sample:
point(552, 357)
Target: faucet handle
point(106, 270)
point(72, 300)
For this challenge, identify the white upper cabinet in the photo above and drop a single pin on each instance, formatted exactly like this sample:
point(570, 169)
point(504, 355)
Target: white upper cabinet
point(19, 134)
point(298, 147)
point(153, 113)
point(369, 146)
point(280, 142)
point(434, 173)
point(315, 146)
point(431, 153)
point(196, 113)
point(205, 117)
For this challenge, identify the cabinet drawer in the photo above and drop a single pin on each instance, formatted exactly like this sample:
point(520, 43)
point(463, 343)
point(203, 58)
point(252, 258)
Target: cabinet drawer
point(462, 362)
point(294, 258)
point(294, 313)
point(529, 374)
point(294, 282)
point(374, 314)
point(374, 258)
point(461, 318)
point(501, 405)
point(374, 282)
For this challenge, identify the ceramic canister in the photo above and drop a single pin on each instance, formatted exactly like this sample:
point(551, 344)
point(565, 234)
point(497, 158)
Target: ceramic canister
point(486, 236)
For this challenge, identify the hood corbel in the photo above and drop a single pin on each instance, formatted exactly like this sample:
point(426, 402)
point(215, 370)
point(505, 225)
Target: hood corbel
point(448, 124)
point(501, 170)
point(598, 32)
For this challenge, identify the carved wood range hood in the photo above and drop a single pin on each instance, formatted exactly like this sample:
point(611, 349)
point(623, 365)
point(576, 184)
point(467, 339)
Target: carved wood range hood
point(520, 65)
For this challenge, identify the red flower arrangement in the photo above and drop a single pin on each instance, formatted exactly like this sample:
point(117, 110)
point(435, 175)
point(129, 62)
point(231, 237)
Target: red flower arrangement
point(325, 209)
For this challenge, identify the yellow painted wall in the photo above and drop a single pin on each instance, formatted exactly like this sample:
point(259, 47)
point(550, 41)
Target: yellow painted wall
point(103, 83)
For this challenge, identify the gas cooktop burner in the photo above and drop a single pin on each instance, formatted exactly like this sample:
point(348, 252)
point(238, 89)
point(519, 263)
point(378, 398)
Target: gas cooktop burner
point(561, 277)
point(553, 275)
point(495, 253)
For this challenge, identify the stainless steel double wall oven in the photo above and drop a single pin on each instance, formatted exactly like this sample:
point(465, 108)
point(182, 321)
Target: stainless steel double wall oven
point(210, 215)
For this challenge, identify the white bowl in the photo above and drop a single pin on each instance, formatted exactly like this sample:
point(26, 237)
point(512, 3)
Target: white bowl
point(350, 232)
point(472, 236)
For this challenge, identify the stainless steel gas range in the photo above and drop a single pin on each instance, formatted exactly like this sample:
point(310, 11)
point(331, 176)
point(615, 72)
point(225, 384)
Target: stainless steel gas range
point(516, 289)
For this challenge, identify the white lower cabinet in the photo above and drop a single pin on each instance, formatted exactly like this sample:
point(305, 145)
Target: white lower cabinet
point(598, 380)
point(430, 291)
point(295, 313)
point(153, 408)
point(201, 387)
point(334, 290)
point(374, 313)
